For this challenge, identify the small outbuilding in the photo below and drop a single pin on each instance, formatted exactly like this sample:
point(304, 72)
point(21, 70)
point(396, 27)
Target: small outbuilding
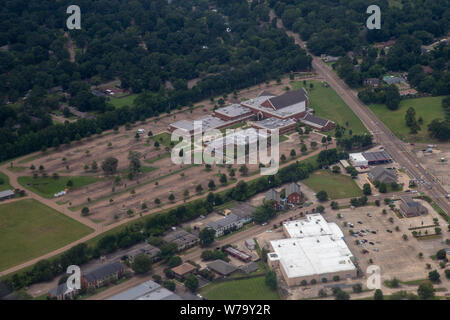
point(7, 194)
point(221, 267)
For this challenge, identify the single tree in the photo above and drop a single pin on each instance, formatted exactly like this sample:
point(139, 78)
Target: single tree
point(141, 263)
point(206, 236)
point(109, 165)
point(322, 195)
point(271, 280)
point(378, 295)
point(191, 282)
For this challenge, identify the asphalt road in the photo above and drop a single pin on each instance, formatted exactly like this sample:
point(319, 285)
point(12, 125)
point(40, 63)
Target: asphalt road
point(393, 145)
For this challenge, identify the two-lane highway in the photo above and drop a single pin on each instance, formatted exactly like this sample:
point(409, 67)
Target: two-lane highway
point(394, 146)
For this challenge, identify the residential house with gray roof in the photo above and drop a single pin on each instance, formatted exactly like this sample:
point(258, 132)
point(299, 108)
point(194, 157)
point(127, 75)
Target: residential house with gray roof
point(382, 175)
point(221, 267)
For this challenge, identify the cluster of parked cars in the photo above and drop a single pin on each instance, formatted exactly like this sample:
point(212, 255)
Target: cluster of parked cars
point(363, 233)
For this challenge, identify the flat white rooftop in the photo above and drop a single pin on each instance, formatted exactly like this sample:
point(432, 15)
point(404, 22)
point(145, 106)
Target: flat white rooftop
point(313, 225)
point(357, 157)
point(206, 122)
point(239, 137)
point(312, 256)
point(315, 247)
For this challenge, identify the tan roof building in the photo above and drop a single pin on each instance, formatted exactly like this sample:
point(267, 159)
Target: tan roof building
point(184, 270)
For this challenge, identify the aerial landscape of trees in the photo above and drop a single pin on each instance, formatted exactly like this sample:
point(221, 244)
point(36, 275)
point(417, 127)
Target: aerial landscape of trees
point(339, 29)
point(154, 48)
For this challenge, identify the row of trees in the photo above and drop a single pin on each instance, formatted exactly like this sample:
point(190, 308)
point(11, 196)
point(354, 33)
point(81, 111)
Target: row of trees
point(440, 128)
point(153, 226)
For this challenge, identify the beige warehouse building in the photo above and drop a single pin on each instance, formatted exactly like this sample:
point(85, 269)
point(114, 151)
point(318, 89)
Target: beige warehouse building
point(314, 249)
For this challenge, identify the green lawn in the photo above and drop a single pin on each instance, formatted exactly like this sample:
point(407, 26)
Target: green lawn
point(164, 139)
point(5, 185)
point(337, 186)
point(246, 289)
point(327, 104)
point(125, 101)
point(30, 229)
point(47, 187)
point(146, 169)
point(159, 157)
point(429, 108)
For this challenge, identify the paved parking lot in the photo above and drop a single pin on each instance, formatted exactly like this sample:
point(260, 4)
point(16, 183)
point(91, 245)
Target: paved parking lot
point(396, 257)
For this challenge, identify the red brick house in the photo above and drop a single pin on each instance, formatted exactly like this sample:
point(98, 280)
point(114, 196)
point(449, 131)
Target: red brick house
point(293, 193)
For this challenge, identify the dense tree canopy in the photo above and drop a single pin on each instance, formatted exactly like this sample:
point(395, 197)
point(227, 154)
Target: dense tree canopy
point(153, 47)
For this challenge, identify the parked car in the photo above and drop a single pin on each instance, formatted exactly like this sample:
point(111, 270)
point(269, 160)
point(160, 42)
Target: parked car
point(372, 243)
point(390, 231)
point(360, 222)
point(374, 232)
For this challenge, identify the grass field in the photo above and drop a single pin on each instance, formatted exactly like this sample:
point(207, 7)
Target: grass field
point(246, 289)
point(146, 169)
point(30, 229)
point(47, 187)
point(125, 101)
point(429, 108)
point(5, 185)
point(327, 104)
point(163, 139)
point(337, 186)
point(159, 157)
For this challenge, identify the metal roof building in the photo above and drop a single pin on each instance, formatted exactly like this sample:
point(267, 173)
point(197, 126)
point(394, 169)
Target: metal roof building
point(7, 194)
point(148, 290)
point(233, 111)
point(366, 158)
point(288, 99)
